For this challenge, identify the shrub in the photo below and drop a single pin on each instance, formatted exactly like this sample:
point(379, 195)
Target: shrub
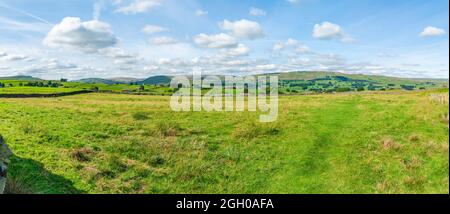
point(343, 89)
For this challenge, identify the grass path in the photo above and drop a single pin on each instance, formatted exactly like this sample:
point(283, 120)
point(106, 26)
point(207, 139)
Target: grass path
point(309, 156)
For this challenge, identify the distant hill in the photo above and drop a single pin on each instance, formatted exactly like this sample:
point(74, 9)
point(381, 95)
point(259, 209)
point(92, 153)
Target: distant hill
point(156, 80)
point(97, 80)
point(318, 75)
point(20, 77)
point(125, 79)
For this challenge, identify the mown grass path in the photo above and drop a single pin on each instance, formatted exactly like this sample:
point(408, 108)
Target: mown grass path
point(309, 155)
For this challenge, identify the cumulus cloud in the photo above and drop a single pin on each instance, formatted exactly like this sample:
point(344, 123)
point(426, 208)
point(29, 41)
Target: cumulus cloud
point(215, 41)
point(329, 31)
point(16, 57)
point(291, 44)
point(116, 53)
point(431, 31)
point(139, 6)
point(302, 50)
point(86, 36)
point(152, 29)
point(13, 57)
point(163, 40)
point(240, 50)
point(243, 29)
point(201, 13)
point(256, 12)
point(278, 46)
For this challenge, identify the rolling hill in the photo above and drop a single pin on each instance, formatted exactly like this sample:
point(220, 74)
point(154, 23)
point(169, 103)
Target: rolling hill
point(156, 80)
point(20, 77)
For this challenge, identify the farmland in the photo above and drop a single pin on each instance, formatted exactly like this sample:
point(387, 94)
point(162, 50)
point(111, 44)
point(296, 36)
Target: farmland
point(392, 141)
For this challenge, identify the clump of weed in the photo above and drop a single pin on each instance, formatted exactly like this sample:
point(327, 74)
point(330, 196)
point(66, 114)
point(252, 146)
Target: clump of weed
point(416, 181)
point(100, 135)
point(116, 165)
point(14, 186)
point(250, 131)
point(157, 160)
point(112, 166)
point(82, 155)
point(412, 163)
point(168, 128)
point(27, 128)
point(140, 115)
point(414, 138)
point(382, 187)
point(390, 144)
point(444, 118)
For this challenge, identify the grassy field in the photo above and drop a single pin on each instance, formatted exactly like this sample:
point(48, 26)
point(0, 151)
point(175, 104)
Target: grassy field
point(377, 142)
point(35, 90)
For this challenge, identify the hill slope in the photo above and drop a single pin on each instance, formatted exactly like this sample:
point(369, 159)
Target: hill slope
point(20, 77)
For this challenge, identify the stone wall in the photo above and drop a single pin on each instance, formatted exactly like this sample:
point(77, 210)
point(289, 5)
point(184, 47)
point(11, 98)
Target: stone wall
point(5, 154)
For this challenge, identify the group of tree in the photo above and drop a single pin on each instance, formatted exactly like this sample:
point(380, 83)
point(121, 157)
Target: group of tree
point(48, 84)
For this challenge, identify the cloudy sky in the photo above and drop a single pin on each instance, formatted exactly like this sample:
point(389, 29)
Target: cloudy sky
point(140, 38)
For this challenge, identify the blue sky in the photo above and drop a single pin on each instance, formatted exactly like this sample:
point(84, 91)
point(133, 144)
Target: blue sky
point(139, 38)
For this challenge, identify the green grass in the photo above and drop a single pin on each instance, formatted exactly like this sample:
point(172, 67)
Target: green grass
point(35, 90)
point(392, 142)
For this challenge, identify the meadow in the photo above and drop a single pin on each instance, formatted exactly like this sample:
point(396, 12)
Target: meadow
point(367, 142)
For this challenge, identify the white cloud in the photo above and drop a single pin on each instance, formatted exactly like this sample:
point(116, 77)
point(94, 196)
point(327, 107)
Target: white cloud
point(15, 57)
point(302, 50)
point(152, 29)
point(265, 67)
point(98, 5)
point(328, 31)
point(432, 31)
point(163, 40)
point(215, 41)
point(293, 1)
point(201, 13)
point(256, 12)
point(116, 53)
point(14, 25)
point(2, 54)
point(240, 50)
point(278, 46)
point(139, 6)
point(292, 42)
point(86, 36)
point(243, 29)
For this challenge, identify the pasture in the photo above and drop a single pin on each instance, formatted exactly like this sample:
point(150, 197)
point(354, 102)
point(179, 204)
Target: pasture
point(372, 142)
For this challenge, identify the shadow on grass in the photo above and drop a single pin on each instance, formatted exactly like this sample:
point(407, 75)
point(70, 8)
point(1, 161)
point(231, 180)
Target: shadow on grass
point(26, 176)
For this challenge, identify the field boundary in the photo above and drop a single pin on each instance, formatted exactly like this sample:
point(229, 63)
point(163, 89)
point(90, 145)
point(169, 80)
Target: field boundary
point(45, 95)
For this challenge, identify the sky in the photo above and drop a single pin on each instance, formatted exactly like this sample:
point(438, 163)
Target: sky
point(140, 38)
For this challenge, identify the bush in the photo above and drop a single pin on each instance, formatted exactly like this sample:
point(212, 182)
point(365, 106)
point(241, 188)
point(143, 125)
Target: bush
point(343, 89)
